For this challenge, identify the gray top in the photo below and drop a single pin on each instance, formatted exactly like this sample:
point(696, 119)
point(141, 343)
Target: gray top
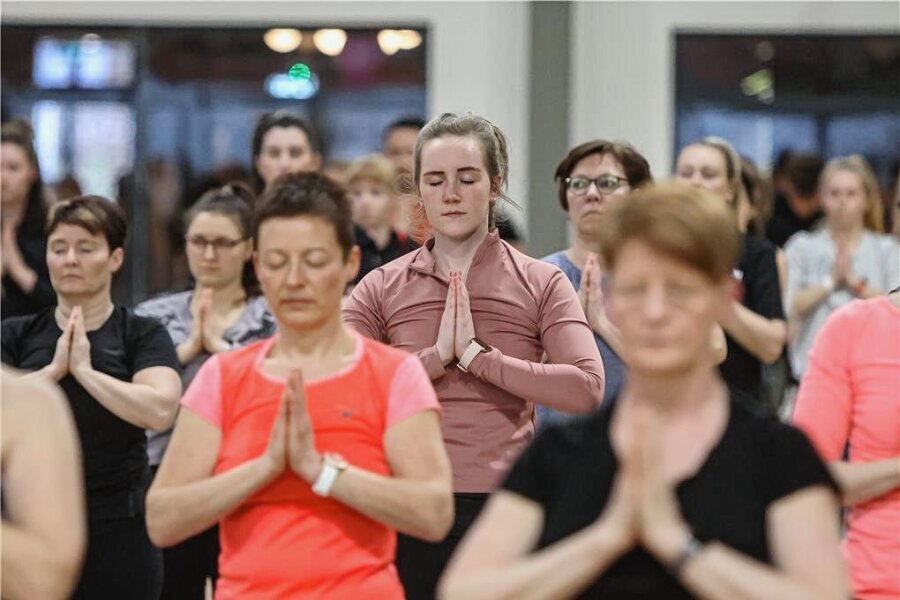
point(811, 256)
point(613, 366)
point(174, 312)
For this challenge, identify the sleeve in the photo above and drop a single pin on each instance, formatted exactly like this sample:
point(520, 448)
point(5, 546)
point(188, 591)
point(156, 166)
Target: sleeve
point(792, 464)
point(766, 294)
point(798, 277)
point(891, 270)
point(152, 346)
point(574, 375)
point(525, 478)
point(410, 392)
point(825, 400)
point(9, 343)
point(204, 394)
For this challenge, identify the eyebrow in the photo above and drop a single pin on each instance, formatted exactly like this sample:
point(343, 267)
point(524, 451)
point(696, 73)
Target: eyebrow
point(475, 169)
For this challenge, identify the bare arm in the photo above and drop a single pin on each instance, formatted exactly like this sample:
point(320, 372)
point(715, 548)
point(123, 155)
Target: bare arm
point(149, 400)
point(805, 300)
point(43, 528)
point(418, 498)
point(860, 482)
point(762, 337)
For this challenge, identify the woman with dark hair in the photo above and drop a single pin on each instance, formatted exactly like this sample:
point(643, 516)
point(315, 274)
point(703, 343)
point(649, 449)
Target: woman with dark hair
point(674, 491)
point(26, 282)
point(313, 447)
point(119, 372)
point(224, 310)
point(283, 143)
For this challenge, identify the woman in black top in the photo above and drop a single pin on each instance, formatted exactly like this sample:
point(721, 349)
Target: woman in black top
point(674, 491)
point(755, 327)
point(26, 283)
point(119, 373)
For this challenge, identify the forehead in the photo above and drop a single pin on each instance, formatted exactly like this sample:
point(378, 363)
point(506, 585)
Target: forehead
point(367, 181)
point(844, 177)
point(285, 136)
point(599, 164)
point(451, 150)
point(213, 224)
point(697, 154)
point(10, 150)
point(296, 234)
point(69, 232)
point(637, 258)
point(402, 135)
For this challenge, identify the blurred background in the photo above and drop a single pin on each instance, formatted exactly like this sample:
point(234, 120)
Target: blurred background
point(153, 103)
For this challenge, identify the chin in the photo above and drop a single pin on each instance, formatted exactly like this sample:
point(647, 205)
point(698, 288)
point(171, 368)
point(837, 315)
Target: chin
point(661, 363)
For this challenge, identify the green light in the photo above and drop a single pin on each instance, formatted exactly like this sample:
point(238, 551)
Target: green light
point(299, 71)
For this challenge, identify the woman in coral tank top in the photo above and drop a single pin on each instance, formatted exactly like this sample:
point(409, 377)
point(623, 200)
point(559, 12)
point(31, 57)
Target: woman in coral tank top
point(311, 449)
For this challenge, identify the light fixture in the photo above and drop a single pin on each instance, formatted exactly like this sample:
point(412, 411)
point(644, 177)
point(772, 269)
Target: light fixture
point(330, 41)
point(392, 40)
point(409, 39)
point(282, 40)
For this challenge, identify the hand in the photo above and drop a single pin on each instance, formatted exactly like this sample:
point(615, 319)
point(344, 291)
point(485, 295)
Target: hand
point(303, 457)
point(841, 267)
point(447, 330)
point(80, 348)
point(59, 366)
point(11, 261)
point(590, 293)
point(193, 345)
point(465, 326)
point(275, 457)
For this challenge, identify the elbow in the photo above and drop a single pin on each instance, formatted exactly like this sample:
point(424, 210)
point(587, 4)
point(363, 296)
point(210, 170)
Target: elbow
point(160, 533)
point(435, 517)
point(162, 417)
point(773, 349)
point(58, 572)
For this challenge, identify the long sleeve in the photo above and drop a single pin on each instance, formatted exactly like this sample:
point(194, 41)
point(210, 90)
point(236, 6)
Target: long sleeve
point(573, 380)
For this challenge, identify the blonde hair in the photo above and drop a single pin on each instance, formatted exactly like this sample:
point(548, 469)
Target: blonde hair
point(733, 169)
point(374, 167)
point(685, 222)
point(856, 164)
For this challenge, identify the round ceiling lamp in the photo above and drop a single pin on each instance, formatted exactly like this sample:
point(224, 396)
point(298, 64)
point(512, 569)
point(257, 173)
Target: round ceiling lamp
point(283, 40)
point(330, 41)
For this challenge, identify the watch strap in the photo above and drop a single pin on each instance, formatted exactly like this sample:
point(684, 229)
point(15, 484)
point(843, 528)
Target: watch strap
point(473, 350)
point(325, 481)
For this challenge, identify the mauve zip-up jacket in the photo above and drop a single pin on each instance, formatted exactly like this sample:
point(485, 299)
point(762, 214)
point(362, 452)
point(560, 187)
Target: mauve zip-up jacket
point(523, 309)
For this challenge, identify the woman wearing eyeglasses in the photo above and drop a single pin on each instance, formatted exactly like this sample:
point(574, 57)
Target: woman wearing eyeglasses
point(224, 310)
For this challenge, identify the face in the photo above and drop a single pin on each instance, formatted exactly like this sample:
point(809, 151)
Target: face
point(587, 207)
point(844, 200)
point(455, 187)
point(399, 146)
point(80, 262)
point(660, 304)
point(285, 150)
point(373, 205)
point(704, 167)
point(302, 271)
point(17, 174)
point(216, 252)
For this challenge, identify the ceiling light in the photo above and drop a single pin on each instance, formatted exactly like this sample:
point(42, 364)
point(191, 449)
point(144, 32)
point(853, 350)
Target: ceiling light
point(282, 40)
point(330, 41)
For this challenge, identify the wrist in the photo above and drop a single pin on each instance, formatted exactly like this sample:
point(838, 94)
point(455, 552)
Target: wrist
point(606, 541)
point(667, 543)
point(310, 467)
point(81, 372)
point(445, 359)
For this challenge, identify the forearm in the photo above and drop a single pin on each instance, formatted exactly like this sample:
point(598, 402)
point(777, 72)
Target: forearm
point(806, 299)
point(610, 334)
point(187, 351)
point(423, 509)
point(563, 387)
point(47, 373)
point(558, 571)
point(136, 403)
point(24, 277)
point(860, 482)
point(178, 512)
point(721, 573)
point(431, 360)
point(762, 337)
point(37, 568)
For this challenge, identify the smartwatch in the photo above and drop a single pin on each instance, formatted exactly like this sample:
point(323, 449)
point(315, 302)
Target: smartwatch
point(332, 466)
point(475, 348)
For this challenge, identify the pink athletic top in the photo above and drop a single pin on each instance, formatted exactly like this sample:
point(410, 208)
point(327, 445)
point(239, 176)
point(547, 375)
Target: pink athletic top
point(284, 541)
point(522, 308)
point(850, 393)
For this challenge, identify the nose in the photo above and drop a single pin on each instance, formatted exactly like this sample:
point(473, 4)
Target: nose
point(593, 192)
point(209, 252)
point(296, 276)
point(655, 305)
point(71, 257)
point(451, 193)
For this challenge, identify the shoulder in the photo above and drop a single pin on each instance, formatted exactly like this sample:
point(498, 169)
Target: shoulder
point(15, 326)
point(575, 435)
point(803, 240)
point(538, 271)
point(163, 305)
point(883, 242)
point(758, 247)
point(137, 325)
point(386, 357)
point(556, 258)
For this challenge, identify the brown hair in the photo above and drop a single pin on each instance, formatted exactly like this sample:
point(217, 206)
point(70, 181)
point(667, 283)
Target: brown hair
point(636, 167)
point(308, 195)
point(20, 133)
point(856, 164)
point(96, 214)
point(684, 222)
point(374, 167)
point(279, 118)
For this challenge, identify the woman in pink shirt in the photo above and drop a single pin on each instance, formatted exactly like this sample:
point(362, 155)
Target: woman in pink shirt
point(466, 282)
point(850, 395)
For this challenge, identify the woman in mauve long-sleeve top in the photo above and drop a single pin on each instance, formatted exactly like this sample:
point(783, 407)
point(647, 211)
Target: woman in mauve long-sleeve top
point(463, 283)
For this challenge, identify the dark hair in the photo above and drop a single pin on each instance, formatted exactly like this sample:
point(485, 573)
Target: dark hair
point(636, 167)
point(756, 196)
point(96, 214)
point(308, 195)
point(34, 218)
point(407, 122)
point(279, 118)
point(803, 171)
point(234, 200)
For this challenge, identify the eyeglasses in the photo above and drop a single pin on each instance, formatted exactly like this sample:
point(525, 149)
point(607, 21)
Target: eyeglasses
point(606, 184)
point(218, 244)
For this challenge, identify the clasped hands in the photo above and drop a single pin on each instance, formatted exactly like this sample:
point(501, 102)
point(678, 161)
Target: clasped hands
point(642, 508)
point(206, 330)
point(292, 442)
point(590, 296)
point(73, 349)
point(457, 328)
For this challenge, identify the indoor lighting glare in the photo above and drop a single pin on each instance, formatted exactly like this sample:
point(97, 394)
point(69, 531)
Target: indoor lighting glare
point(330, 41)
point(282, 40)
point(392, 40)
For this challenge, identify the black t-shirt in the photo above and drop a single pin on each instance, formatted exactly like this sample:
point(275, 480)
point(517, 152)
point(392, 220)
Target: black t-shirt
point(374, 257)
point(16, 302)
point(569, 470)
point(761, 293)
point(784, 223)
point(114, 450)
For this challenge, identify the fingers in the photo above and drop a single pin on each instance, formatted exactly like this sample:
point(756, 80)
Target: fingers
point(77, 319)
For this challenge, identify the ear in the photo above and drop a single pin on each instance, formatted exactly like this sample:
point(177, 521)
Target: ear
point(116, 258)
point(351, 265)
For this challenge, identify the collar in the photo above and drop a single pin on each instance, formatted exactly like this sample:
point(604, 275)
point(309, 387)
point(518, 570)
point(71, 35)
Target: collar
point(425, 261)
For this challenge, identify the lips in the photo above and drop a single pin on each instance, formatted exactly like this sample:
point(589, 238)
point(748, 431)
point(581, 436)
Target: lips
point(453, 214)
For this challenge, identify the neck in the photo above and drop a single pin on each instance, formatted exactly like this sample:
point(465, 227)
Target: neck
point(329, 339)
point(381, 235)
point(226, 297)
point(583, 246)
point(457, 255)
point(95, 309)
point(850, 234)
point(802, 207)
point(674, 395)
